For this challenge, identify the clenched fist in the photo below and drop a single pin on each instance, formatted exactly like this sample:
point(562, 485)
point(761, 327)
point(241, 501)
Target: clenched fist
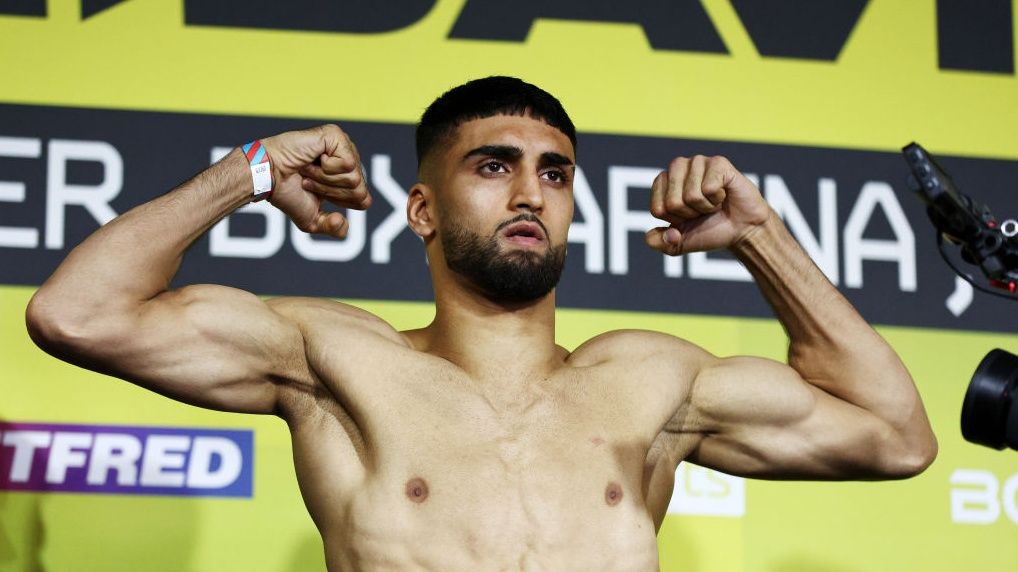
point(708, 204)
point(314, 166)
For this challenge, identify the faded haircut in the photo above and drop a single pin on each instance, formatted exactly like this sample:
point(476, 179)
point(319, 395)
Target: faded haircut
point(488, 97)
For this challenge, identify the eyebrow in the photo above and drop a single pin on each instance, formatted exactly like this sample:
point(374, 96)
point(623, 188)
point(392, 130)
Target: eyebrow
point(513, 152)
point(496, 151)
point(556, 159)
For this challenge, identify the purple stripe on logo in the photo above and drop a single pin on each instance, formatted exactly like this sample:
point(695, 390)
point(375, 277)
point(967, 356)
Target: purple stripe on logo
point(126, 460)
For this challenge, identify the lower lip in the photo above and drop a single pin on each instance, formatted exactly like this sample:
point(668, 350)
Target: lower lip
point(527, 240)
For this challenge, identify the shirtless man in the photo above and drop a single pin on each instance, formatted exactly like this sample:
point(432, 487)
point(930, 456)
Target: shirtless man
point(477, 443)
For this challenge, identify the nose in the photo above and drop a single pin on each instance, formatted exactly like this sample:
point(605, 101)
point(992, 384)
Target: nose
point(527, 194)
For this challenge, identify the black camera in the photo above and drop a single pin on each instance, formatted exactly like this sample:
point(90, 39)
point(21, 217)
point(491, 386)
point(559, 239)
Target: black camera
point(989, 414)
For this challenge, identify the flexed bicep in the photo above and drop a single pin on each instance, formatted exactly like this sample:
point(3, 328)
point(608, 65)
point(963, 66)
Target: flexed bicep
point(760, 418)
point(108, 306)
point(210, 346)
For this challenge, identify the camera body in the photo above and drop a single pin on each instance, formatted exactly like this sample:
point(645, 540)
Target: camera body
point(989, 414)
point(985, 242)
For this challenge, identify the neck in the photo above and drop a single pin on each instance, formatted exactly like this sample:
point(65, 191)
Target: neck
point(482, 336)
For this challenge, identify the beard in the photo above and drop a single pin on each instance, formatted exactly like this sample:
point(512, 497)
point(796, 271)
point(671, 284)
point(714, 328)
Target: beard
point(512, 277)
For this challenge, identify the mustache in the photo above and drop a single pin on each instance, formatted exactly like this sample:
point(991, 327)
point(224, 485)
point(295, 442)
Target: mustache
point(522, 217)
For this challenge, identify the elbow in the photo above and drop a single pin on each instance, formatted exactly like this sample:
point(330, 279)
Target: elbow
point(53, 326)
point(918, 461)
point(912, 458)
point(44, 324)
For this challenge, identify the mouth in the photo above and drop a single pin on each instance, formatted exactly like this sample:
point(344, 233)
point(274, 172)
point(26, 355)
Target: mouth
point(524, 233)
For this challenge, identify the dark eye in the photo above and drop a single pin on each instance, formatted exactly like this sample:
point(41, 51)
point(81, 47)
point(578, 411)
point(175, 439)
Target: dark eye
point(555, 176)
point(493, 167)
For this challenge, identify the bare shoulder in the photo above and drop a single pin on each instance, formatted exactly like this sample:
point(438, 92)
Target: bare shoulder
point(635, 346)
point(339, 341)
point(649, 374)
point(317, 315)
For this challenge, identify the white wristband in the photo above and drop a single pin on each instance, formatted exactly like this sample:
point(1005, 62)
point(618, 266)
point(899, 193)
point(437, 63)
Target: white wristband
point(261, 169)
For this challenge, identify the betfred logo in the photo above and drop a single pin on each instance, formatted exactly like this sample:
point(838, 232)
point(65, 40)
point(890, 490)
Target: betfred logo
point(126, 460)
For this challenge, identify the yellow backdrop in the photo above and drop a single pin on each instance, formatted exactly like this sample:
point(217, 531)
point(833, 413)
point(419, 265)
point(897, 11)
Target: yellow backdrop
point(881, 92)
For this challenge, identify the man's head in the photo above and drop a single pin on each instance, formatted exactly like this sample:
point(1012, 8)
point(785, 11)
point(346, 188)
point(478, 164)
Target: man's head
point(494, 202)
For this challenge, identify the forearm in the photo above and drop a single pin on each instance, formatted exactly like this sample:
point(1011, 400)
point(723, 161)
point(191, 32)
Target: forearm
point(831, 345)
point(134, 257)
point(846, 407)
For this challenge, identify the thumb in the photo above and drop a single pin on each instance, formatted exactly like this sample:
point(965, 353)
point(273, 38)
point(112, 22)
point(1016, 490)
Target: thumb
point(666, 239)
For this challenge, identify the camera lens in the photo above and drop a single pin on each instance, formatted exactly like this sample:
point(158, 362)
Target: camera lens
point(989, 415)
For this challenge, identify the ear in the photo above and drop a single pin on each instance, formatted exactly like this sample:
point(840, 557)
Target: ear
point(419, 210)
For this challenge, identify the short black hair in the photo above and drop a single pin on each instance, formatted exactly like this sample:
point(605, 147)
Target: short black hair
point(488, 97)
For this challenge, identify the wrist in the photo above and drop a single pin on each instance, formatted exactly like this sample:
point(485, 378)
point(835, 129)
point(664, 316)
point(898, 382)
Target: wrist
point(260, 164)
point(752, 237)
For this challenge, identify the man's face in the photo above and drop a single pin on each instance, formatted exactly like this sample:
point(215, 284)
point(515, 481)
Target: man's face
point(505, 203)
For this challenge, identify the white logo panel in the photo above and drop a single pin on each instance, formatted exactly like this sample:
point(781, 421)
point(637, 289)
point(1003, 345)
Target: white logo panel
point(707, 492)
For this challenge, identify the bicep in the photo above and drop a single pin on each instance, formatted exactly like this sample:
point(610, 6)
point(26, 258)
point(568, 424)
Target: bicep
point(209, 346)
point(760, 418)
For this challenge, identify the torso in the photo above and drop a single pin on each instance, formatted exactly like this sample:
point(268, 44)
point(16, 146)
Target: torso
point(405, 462)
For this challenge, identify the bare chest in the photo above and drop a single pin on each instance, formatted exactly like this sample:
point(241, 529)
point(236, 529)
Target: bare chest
point(547, 446)
point(469, 491)
point(452, 471)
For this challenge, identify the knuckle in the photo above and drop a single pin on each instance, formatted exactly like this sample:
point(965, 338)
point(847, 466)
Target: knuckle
point(678, 163)
point(658, 210)
point(673, 204)
point(331, 132)
point(713, 181)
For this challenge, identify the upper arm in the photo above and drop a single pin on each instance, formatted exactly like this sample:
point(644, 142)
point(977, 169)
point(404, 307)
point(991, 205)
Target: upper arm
point(760, 418)
point(210, 346)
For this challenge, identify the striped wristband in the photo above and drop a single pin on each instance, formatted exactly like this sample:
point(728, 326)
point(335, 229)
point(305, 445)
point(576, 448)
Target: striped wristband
point(261, 169)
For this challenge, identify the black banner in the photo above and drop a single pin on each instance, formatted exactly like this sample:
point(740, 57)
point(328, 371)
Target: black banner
point(63, 171)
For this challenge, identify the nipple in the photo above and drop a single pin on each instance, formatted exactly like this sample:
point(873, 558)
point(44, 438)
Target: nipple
point(613, 494)
point(417, 490)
